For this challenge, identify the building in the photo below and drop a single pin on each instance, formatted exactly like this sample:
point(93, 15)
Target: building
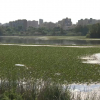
point(98, 21)
point(65, 23)
point(40, 22)
point(49, 25)
point(24, 23)
point(5, 24)
point(87, 22)
point(69, 27)
point(17, 23)
point(32, 24)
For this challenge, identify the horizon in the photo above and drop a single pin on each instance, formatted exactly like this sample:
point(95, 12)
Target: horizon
point(49, 11)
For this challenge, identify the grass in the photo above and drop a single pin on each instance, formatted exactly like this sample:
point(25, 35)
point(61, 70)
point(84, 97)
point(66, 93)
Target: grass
point(48, 91)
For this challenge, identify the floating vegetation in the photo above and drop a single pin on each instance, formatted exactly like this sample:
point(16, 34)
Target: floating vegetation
point(60, 64)
point(22, 66)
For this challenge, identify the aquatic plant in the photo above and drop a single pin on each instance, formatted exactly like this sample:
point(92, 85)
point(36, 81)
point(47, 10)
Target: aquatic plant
point(47, 62)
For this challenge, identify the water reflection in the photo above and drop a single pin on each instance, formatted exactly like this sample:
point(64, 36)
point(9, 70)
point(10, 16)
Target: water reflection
point(92, 59)
point(38, 40)
point(85, 91)
point(85, 87)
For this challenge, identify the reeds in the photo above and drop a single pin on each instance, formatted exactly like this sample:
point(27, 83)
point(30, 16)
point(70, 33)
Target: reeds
point(43, 90)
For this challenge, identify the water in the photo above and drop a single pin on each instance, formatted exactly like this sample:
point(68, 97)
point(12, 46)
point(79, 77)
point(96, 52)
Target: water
point(85, 87)
point(92, 59)
point(45, 40)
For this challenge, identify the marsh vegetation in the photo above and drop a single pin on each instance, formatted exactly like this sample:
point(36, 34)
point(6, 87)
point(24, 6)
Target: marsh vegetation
point(23, 67)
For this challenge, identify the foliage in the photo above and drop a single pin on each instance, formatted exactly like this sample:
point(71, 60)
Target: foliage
point(31, 31)
point(45, 62)
point(81, 29)
point(53, 91)
point(47, 91)
point(56, 63)
point(94, 31)
point(1, 30)
point(10, 95)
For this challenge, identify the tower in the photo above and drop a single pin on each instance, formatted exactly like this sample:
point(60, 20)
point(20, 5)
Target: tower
point(40, 21)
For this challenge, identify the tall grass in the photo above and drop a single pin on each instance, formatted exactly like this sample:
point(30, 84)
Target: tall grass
point(44, 90)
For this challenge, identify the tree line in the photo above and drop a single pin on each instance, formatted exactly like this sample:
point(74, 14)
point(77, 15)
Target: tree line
point(12, 31)
point(90, 31)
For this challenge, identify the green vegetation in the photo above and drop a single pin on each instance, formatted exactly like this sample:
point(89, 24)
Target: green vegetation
point(31, 31)
point(45, 62)
point(94, 31)
point(90, 31)
point(50, 66)
point(50, 91)
point(81, 30)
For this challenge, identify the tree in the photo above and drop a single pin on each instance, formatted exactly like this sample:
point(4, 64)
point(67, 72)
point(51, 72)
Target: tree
point(1, 30)
point(20, 28)
point(83, 29)
point(94, 31)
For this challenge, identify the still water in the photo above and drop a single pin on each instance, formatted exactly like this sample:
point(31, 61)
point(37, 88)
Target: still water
point(45, 40)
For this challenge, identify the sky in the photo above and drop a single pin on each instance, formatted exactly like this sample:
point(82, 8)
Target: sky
point(48, 10)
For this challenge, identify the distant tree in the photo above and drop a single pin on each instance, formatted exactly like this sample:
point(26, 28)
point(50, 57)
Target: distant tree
point(20, 28)
point(78, 28)
point(57, 28)
point(62, 31)
point(94, 31)
point(1, 30)
point(81, 29)
point(85, 30)
point(58, 31)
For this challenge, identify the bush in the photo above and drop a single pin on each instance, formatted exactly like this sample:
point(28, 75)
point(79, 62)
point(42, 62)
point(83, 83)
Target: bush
point(88, 35)
point(10, 95)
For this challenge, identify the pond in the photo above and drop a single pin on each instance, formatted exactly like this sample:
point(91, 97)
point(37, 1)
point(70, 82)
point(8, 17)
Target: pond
point(47, 40)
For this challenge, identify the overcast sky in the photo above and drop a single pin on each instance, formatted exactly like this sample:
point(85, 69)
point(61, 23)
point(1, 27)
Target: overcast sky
point(48, 10)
